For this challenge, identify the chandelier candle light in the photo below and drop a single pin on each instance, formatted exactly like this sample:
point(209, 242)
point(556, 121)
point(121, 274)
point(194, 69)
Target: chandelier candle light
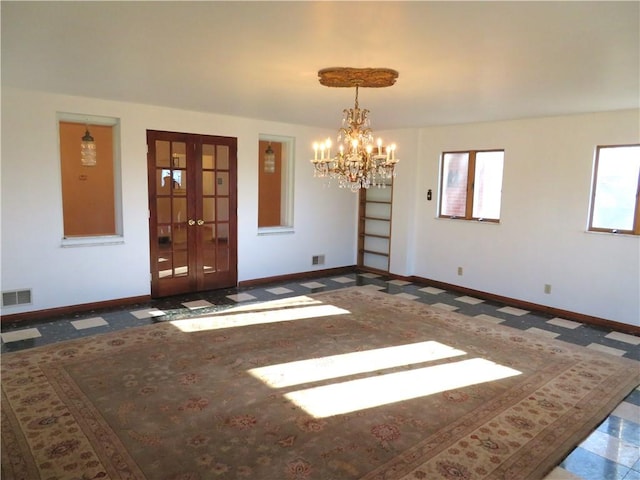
point(358, 162)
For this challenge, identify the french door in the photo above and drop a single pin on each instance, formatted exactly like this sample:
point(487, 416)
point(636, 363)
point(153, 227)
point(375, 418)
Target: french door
point(192, 212)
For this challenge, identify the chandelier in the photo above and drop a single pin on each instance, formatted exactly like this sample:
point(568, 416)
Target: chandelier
point(358, 161)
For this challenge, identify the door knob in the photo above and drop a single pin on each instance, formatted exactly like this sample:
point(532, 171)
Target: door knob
point(191, 222)
point(200, 222)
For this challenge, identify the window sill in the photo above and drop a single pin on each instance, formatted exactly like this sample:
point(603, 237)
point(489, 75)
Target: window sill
point(274, 231)
point(469, 220)
point(612, 234)
point(100, 241)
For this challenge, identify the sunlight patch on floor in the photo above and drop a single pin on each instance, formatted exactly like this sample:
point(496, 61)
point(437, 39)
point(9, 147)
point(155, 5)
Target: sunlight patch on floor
point(342, 365)
point(299, 301)
point(226, 320)
point(354, 395)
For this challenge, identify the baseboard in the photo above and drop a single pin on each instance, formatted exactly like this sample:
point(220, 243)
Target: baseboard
point(122, 302)
point(71, 309)
point(292, 277)
point(557, 312)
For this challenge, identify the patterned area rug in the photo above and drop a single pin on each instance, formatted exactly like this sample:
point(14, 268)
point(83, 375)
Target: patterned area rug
point(349, 384)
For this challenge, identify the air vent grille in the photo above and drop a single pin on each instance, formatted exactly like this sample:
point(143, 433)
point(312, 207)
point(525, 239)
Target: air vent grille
point(16, 297)
point(317, 260)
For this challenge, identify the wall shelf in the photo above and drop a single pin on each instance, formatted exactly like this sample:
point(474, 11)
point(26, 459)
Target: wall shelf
point(374, 228)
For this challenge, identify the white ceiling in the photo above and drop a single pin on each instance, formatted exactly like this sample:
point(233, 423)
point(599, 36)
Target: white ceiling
point(458, 61)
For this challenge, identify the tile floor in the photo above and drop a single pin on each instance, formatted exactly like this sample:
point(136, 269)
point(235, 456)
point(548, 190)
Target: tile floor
point(611, 452)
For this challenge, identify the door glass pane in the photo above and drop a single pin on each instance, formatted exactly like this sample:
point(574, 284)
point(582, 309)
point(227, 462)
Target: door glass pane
point(179, 210)
point(454, 184)
point(223, 258)
point(487, 189)
point(160, 174)
point(179, 238)
point(223, 183)
point(171, 181)
point(163, 153)
point(222, 252)
point(223, 210)
point(223, 232)
point(208, 209)
point(164, 237)
point(208, 248)
point(181, 263)
point(164, 210)
point(208, 186)
point(165, 264)
point(178, 160)
point(179, 183)
point(222, 247)
point(178, 154)
point(222, 157)
point(617, 180)
point(208, 157)
point(207, 234)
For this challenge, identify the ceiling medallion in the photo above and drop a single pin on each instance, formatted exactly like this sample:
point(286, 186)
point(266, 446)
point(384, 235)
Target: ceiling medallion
point(357, 77)
point(358, 163)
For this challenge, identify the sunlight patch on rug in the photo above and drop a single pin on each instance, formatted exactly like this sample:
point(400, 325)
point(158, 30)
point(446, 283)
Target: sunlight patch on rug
point(215, 322)
point(346, 397)
point(336, 366)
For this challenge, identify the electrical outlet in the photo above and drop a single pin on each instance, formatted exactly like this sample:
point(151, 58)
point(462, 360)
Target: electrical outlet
point(460, 271)
point(547, 288)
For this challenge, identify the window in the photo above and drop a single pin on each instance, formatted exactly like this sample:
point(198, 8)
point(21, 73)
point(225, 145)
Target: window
point(615, 199)
point(275, 184)
point(90, 193)
point(471, 185)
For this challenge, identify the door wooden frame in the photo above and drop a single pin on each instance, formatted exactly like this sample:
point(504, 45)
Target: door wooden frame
point(197, 277)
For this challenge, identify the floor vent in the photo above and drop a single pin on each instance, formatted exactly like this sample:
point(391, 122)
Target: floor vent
point(317, 260)
point(17, 297)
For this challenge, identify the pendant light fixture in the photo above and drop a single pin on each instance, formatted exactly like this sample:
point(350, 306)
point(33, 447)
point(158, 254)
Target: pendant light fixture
point(269, 160)
point(88, 150)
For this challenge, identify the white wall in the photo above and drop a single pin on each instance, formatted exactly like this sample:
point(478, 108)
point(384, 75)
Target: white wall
point(541, 238)
point(32, 227)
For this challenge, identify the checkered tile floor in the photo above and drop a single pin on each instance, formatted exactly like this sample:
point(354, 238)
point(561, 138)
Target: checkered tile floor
point(612, 452)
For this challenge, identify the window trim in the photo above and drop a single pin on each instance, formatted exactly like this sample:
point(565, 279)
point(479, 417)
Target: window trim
point(97, 240)
point(592, 200)
point(471, 174)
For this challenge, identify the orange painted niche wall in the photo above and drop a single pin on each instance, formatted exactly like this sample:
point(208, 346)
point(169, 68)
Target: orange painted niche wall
point(88, 193)
point(270, 187)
